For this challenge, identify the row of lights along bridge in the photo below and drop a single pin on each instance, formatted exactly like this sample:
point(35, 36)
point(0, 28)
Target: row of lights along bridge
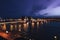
point(25, 21)
point(22, 23)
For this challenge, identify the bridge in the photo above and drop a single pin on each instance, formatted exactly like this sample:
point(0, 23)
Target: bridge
point(15, 28)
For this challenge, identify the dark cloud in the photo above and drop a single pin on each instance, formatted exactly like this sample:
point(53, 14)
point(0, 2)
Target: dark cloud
point(17, 8)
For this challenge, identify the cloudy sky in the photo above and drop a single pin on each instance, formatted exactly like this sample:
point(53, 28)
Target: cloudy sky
point(17, 8)
point(52, 9)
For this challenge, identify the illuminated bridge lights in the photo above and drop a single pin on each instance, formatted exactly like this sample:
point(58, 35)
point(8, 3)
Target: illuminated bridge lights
point(25, 23)
point(19, 25)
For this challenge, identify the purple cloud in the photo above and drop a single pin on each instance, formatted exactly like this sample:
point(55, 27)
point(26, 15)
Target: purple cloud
point(53, 9)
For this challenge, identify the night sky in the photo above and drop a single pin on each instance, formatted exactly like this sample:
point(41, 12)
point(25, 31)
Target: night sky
point(15, 8)
point(18, 8)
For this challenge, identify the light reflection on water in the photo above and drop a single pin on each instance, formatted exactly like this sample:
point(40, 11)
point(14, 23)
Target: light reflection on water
point(45, 31)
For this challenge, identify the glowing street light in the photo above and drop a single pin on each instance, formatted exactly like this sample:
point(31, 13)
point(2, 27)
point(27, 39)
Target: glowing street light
point(55, 37)
point(6, 31)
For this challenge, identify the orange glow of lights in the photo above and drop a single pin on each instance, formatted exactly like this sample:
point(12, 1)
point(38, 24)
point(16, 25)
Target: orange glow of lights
point(19, 19)
point(15, 27)
point(33, 24)
point(19, 27)
point(25, 25)
point(37, 23)
point(4, 35)
point(24, 21)
point(4, 27)
point(11, 28)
